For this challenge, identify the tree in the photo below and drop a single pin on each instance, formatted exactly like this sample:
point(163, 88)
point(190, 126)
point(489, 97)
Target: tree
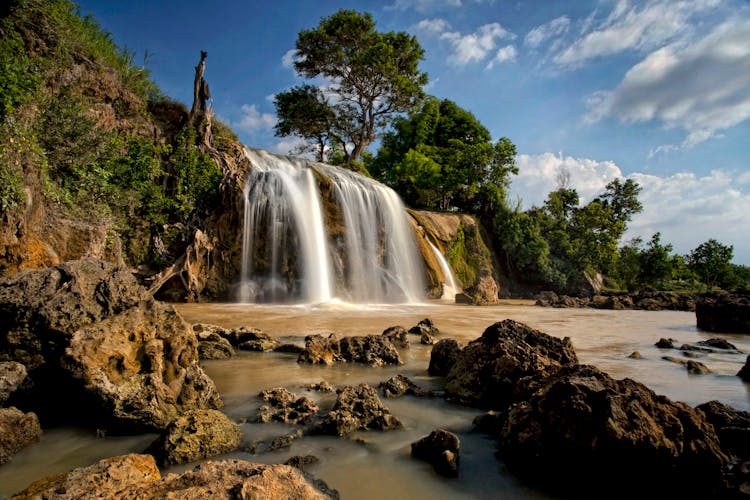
point(370, 77)
point(304, 111)
point(655, 262)
point(710, 260)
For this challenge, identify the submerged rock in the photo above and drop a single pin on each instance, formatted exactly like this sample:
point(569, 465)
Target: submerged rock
point(398, 336)
point(440, 449)
point(17, 430)
point(357, 408)
point(697, 368)
point(665, 343)
point(373, 350)
point(505, 364)
point(196, 435)
point(725, 313)
point(443, 356)
point(284, 406)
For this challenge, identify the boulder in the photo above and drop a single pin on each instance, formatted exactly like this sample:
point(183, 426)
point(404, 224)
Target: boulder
point(547, 298)
point(195, 435)
point(744, 372)
point(731, 425)
point(17, 430)
point(289, 348)
point(426, 326)
point(357, 408)
point(397, 335)
point(302, 461)
point(484, 291)
point(489, 423)
point(141, 366)
point(426, 339)
point(399, 385)
point(284, 406)
point(665, 343)
point(443, 356)
point(211, 345)
point(718, 344)
point(505, 364)
point(243, 334)
point(373, 350)
point(260, 345)
point(725, 313)
point(136, 476)
point(587, 431)
point(322, 386)
point(12, 377)
point(697, 368)
point(440, 449)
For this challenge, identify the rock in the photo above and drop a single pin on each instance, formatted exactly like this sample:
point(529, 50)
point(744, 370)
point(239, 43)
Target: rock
point(373, 350)
point(665, 343)
point(289, 348)
point(284, 441)
point(718, 344)
point(136, 476)
point(505, 364)
point(691, 354)
point(322, 386)
point(211, 345)
point(443, 357)
point(587, 431)
point(440, 449)
point(424, 326)
point(141, 366)
point(635, 355)
point(731, 425)
point(488, 423)
point(244, 334)
point(606, 302)
point(463, 298)
point(259, 345)
point(725, 313)
point(697, 368)
point(195, 435)
point(302, 461)
point(484, 291)
point(426, 339)
point(688, 347)
point(17, 430)
point(357, 408)
point(547, 299)
point(397, 335)
point(672, 359)
point(284, 406)
point(744, 372)
point(398, 385)
point(12, 378)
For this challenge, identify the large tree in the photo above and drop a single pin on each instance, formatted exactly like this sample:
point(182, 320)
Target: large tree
point(368, 78)
point(710, 260)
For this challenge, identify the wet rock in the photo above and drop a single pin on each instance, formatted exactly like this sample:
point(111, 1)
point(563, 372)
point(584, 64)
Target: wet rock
point(672, 359)
point(691, 354)
point(488, 423)
point(725, 313)
point(373, 350)
point(607, 302)
point(284, 406)
point(259, 345)
point(12, 378)
point(302, 461)
point(744, 372)
point(443, 357)
point(588, 431)
point(211, 345)
point(136, 476)
point(17, 430)
point(243, 334)
point(440, 449)
point(505, 364)
point(141, 366)
point(547, 299)
point(398, 336)
point(284, 441)
point(731, 425)
point(718, 344)
point(195, 435)
point(689, 347)
point(697, 368)
point(290, 348)
point(426, 339)
point(424, 326)
point(322, 386)
point(399, 385)
point(357, 408)
point(665, 343)
point(484, 291)
point(635, 355)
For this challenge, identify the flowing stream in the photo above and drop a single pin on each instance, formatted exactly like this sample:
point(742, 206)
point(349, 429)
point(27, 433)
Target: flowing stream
point(377, 464)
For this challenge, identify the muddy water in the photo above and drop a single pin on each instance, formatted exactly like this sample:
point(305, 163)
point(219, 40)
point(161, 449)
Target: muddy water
point(377, 465)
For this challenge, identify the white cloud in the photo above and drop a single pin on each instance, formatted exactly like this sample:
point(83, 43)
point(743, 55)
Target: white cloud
point(253, 121)
point(287, 60)
point(504, 54)
point(290, 146)
point(434, 26)
point(547, 31)
point(424, 5)
point(686, 208)
point(476, 46)
point(630, 27)
point(701, 88)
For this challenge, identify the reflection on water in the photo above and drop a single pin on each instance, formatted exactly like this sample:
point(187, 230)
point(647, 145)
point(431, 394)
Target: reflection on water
point(358, 467)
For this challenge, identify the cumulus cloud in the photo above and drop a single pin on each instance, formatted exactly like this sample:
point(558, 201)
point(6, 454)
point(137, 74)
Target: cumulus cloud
point(537, 36)
point(702, 88)
point(287, 60)
point(434, 26)
point(504, 54)
point(253, 120)
point(424, 5)
point(475, 47)
point(686, 208)
point(632, 27)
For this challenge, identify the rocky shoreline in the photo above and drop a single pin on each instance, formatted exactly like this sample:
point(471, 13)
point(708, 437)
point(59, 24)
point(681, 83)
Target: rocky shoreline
point(125, 363)
point(647, 301)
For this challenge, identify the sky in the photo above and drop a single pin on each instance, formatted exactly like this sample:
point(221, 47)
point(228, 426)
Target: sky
point(655, 90)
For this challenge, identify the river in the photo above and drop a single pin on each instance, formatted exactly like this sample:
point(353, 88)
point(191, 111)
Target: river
point(377, 464)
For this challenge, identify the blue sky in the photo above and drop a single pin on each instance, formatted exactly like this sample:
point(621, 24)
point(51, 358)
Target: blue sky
point(654, 90)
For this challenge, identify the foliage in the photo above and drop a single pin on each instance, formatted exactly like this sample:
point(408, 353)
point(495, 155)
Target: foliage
point(371, 76)
point(710, 261)
point(18, 72)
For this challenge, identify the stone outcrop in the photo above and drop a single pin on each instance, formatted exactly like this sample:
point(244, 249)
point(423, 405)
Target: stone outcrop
point(137, 477)
point(483, 292)
point(443, 356)
point(373, 350)
point(357, 408)
point(731, 425)
point(13, 377)
point(17, 430)
point(587, 431)
point(645, 300)
point(284, 406)
point(195, 435)
point(725, 313)
point(440, 448)
point(505, 364)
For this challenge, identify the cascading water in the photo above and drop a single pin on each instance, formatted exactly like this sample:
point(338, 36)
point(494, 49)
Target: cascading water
point(289, 256)
point(449, 286)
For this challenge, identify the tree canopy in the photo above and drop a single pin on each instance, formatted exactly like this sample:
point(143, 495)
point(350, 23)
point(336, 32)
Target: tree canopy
point(369, 77)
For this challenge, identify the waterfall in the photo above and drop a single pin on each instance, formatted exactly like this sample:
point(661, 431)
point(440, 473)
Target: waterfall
point(449, 286)
point(290, 252)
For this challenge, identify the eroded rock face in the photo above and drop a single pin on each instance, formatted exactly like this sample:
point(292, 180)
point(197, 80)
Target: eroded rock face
point(505, 364)
point(440, 448)
point(17, 430)
point(731, 425)
point(137, 477)
point(284, 406)
point(12, 377)
point(586, 429)
point(443, 356)
point(373, 350)
point(142, 366)
point(195, 435)
point(357, 408)
point(484, 291)
point(728, 313)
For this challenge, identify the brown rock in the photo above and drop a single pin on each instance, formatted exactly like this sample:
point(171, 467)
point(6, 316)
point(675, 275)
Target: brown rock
point(284, 406)
point(697, 368)
point(731, 425)
point(195, 435)
point(259, 345)
point(484, 291)
point(665, 343)
point(744, 372)
point(211, 345)
point(397, 336)
point(440, 449)
point(17, 430)
point(443, 356)
point(373, 350)
point(726, 313)
point(357, 408)
point(12, 377)
point(399, 385)
point(425, 326)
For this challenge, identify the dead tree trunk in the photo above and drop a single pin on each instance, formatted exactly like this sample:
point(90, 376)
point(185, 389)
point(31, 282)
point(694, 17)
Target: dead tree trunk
point(201, 112)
